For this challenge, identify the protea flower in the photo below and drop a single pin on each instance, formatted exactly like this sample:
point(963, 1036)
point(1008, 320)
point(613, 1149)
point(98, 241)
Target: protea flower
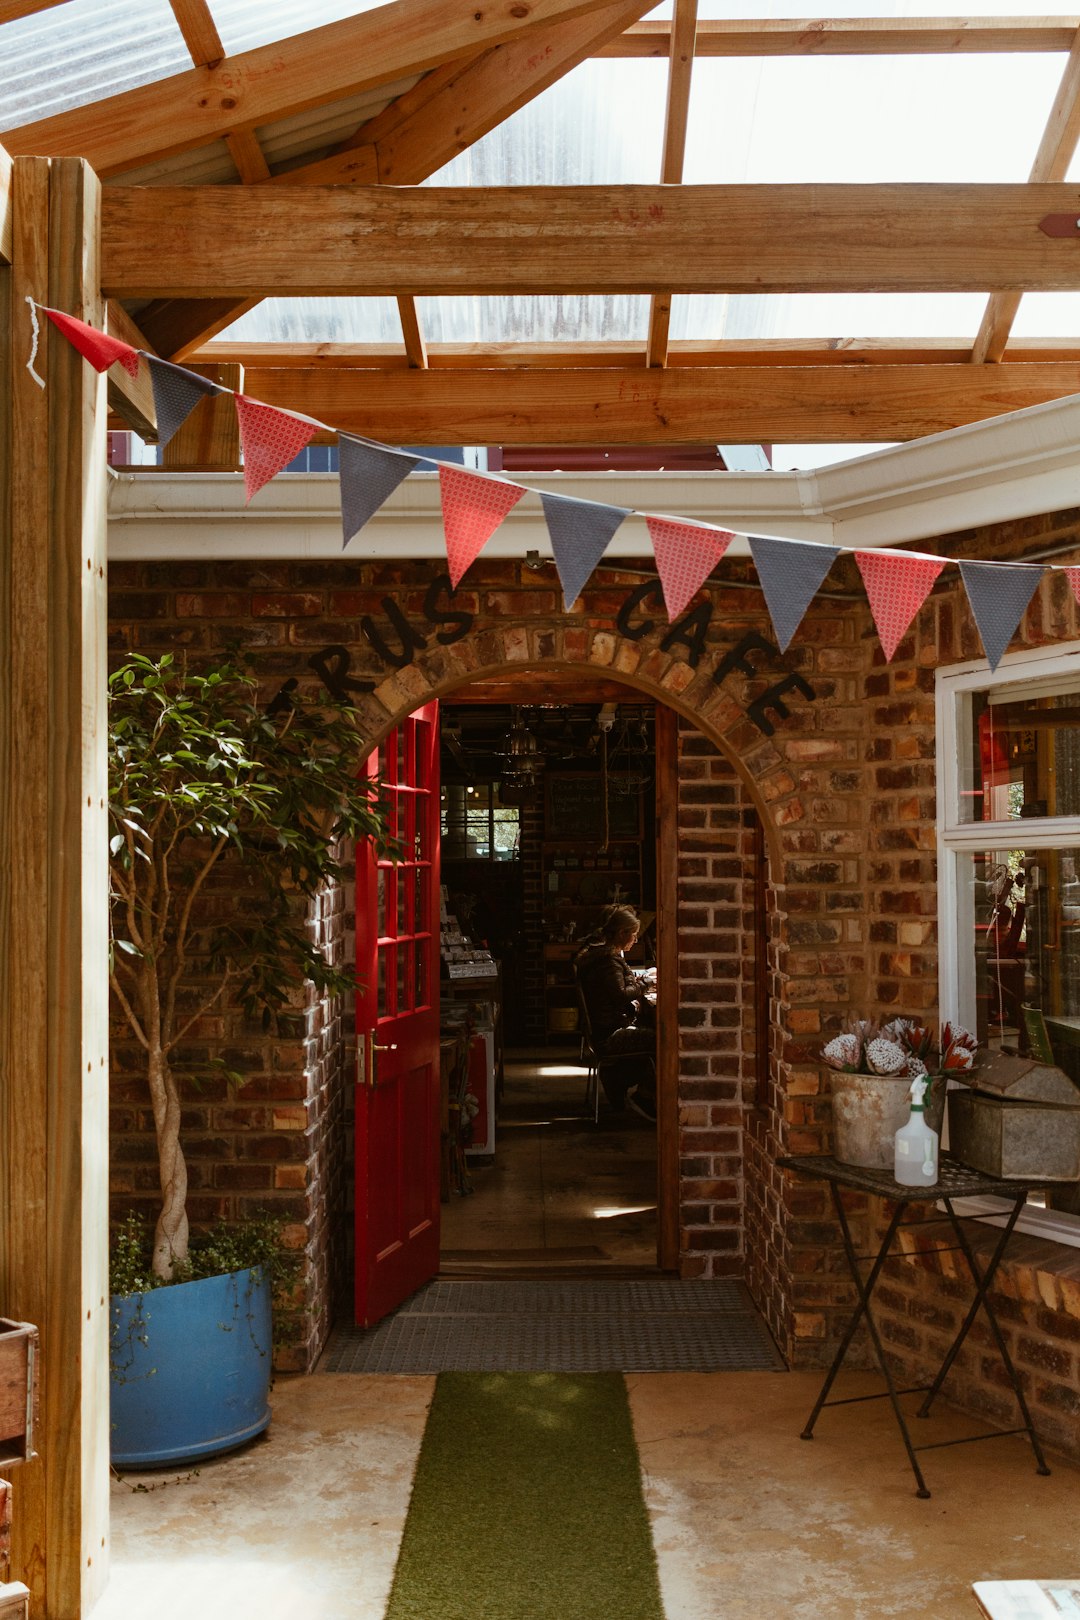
point(842, 1052)
point(885, 1057)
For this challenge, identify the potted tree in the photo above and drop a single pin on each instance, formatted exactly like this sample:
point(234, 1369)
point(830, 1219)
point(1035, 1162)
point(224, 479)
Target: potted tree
point(201, 774)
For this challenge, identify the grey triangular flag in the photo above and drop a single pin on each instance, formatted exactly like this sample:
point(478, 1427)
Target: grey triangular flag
point(580, 531)
point(790, 572)
point(177, 391)
point(369, 474)
point(998, 595)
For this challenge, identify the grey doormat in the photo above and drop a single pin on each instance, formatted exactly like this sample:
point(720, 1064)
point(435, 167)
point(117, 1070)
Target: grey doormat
point(644, 1325)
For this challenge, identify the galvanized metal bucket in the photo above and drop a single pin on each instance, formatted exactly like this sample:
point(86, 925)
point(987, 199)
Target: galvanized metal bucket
point(869, 1109)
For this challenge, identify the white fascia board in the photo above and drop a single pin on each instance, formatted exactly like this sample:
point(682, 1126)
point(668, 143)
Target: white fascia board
point(1009, 467)
point(202, 515)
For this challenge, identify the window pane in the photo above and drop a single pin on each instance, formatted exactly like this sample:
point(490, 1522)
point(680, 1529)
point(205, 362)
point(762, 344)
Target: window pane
point(1023, 756)
point(1026, 907)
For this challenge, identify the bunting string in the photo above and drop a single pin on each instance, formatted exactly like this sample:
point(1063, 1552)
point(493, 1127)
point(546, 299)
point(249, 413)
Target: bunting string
point(35, 326)
point(474, 504)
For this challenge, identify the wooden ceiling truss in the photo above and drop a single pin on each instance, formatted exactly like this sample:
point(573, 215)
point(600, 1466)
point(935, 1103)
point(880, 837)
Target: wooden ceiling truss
point(368, 229)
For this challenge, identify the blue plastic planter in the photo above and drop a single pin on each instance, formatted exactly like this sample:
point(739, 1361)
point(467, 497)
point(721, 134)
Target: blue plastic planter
point(201, 1382)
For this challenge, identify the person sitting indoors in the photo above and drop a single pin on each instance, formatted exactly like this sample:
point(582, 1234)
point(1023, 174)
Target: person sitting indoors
point(621, 1017)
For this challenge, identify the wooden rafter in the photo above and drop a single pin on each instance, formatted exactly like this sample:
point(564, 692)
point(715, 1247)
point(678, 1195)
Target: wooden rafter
point(200, 32)
point(11, 9)
point(274, 81)
point(614, 355)
point(1052, 161)
point(442, 115)
point(247, 154)
point(678, 405)
point(229, 241)
point(131, 398)
point(415, 347)
point(676, 117)
point(855, 36)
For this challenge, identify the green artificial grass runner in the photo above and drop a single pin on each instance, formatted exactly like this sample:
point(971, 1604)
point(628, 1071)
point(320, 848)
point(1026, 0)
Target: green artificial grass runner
point(527, 1505)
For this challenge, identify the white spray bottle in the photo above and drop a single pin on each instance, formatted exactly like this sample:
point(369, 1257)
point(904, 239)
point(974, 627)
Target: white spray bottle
point(915, 1161)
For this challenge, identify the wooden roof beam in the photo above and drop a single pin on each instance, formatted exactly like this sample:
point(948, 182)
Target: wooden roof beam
point(274, 81)
point(676, 117)
point(855, 36)
point(1052, 161)
point(625, 356)
point(680, 405)
point(240, 241)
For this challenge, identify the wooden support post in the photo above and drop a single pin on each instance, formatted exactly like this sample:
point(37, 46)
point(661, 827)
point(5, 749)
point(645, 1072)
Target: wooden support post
point(53, 886)
point(209, 441)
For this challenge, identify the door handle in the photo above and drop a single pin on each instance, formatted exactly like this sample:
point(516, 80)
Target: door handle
point(373, 1047)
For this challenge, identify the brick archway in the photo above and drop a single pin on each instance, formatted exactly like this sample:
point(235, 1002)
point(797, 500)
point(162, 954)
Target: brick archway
point(728, 1114)
point(573, 655)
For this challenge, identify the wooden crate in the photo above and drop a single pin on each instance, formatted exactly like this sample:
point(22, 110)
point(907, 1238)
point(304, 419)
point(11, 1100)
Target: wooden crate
point(18, 1389)
point(14, 1600)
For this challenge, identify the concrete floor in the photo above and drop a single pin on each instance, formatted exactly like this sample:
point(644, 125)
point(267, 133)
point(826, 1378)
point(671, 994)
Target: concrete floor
point(562, 1190)
point(750, 1522)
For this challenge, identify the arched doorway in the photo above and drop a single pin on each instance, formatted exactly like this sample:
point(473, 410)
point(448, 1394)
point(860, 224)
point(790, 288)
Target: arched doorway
point(710, 1059)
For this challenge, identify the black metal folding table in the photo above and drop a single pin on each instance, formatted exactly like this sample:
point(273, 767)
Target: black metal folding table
point(955, 1181)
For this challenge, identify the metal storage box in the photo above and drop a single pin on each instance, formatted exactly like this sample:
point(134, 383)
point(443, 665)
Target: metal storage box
point(1021, 1118)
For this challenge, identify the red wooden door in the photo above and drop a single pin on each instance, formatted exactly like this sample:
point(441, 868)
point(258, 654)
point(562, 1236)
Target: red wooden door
point(397, 1016)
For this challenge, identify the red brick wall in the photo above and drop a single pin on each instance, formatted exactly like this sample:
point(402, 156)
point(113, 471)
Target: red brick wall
point(717, 1057)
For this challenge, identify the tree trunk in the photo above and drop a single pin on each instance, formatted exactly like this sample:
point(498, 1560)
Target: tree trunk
point(171, 1232)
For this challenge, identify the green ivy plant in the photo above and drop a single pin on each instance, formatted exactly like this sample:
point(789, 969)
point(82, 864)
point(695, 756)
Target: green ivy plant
point(201, 772)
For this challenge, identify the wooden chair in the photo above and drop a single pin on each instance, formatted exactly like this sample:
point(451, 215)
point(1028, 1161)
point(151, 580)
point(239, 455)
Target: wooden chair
point(596, 1063)
point(589, 1056)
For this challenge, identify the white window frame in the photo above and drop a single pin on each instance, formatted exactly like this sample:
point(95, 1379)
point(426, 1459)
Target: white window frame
point(1028, 672)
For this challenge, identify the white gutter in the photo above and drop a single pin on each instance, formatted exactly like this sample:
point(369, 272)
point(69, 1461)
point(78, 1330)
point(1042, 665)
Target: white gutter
point(1012, 466)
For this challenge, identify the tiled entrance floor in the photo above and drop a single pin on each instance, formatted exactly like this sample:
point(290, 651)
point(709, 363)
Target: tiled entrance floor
point(561, 1189)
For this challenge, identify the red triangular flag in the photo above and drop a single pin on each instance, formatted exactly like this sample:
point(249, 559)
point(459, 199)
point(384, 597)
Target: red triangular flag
point(897, 586)
point(686, 555)
point(97, 347)
point(1073, 576)
point(269, 439)
point(472, 508)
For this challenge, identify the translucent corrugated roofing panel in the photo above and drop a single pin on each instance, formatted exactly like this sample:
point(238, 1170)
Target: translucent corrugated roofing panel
point(529, 318)
point(82, 51)
point(243, 24)
point(1048, 315)
point(827, 315)
point(601, 124)
point(318, 320)
point(871, 119)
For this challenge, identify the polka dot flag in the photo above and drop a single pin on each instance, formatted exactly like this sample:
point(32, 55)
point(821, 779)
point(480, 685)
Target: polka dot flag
point(472, 509)
point(270, 439)
point(896, 586)
point(686, 555)
point(97, 347)
point(1073, 576)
